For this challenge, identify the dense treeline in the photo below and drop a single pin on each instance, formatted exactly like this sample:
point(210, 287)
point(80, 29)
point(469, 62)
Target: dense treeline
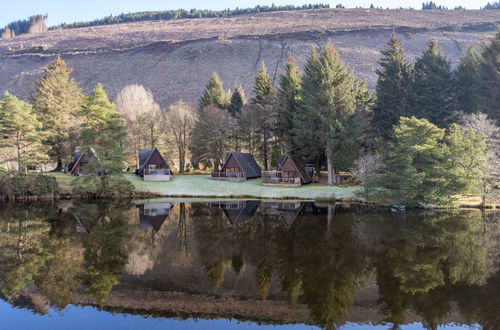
point(182, 13)
point(34, 24)
point(494, 5)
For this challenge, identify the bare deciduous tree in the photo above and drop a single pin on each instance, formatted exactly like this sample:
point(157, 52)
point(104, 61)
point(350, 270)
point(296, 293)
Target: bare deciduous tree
point(180, 119)
point(142, 115)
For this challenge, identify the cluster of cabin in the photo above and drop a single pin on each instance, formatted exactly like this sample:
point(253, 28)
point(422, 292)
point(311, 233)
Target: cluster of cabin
point(238, 166)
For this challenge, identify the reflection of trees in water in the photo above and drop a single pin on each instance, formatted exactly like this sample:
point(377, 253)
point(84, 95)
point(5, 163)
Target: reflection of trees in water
point(425, 263)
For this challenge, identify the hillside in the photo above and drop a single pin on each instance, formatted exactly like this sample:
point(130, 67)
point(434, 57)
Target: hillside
point(176, 58)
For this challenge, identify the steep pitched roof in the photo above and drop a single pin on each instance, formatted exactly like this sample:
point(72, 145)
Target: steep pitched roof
point(236, 216)
point(304, 176)
point(78, 156)
point(247, 163)
point(145, 155)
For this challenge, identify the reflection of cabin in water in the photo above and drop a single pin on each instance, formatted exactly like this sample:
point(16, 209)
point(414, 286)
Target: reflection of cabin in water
point(153, 215)
point(239, 166)
point(287, 211)
point(81, 160)
point(290, 172)
point(152, 166)
point(237, 211)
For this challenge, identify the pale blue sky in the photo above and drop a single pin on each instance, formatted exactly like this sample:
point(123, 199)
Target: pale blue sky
point(82, 10)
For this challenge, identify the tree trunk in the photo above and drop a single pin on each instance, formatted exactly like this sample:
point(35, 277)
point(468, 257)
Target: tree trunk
point(59, 165)
point(331, 173)
point(265, 152)
point(181, 161)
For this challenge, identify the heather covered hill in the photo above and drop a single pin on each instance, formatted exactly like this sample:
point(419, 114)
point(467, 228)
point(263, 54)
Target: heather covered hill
point(175, 58)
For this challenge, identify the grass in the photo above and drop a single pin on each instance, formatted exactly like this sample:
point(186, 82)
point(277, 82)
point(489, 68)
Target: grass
point(64, 181)
point(202, 186)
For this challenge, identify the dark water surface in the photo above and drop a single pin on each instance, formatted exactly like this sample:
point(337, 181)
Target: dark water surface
point(246, 265)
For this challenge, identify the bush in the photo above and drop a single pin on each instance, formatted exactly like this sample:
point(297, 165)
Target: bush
point(15, 185)
point(105, 186)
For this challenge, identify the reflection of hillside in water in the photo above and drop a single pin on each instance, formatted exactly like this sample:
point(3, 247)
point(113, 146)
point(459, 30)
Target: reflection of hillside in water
point(274, 261)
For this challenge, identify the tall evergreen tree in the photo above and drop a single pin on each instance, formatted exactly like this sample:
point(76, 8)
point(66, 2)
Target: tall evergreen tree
point(57, 101)
point(394, 78)
point(265, 102)
point(214, 94)
point(328, 103)
point(103, 129)
point(263, 86)
point(237, 101)
point(432, 86)
point(20, 130)
point(289, 98)
point(466, 82)
point(489, 75)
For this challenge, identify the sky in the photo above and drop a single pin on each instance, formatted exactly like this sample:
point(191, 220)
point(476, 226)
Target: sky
point(68, 11)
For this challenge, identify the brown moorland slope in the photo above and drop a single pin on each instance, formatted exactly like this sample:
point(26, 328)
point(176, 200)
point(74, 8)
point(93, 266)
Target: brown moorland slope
point(175, 58)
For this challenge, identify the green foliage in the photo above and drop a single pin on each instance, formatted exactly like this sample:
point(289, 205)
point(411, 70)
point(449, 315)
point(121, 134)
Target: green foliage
point(468, 157)
point(417, 167)
point(432, 87)
point(16, 185)
point(263, 86)
point(237, 101)
point(214, 94)
point(289, 100)
point(466, 82)
point(392, 89)
point(35, 23)
point(57, 101)
point(104, 186)
point(182, 14)
point(103, 130)
point(20, 129)
point(489, 75)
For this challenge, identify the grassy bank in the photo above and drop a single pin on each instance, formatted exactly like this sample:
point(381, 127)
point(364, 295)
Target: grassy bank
point(202, 186)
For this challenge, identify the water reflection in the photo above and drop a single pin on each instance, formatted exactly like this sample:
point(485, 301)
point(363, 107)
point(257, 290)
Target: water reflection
point(264, 261)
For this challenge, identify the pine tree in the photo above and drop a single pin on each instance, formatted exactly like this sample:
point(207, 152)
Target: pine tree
point(263, 86)
point(237, 101)
point(289, 98)
point(489, 75)
point(56, 102)
point(432, 86)
point(20, 129)
point(214, 94)
point(466, 82)
point(103, 130)
point(394, 78)
point(328, 103)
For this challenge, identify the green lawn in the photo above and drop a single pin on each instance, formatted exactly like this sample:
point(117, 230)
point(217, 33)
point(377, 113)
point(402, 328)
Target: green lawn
point(202, 186)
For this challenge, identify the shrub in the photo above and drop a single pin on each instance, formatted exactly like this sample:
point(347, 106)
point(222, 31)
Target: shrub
point(15, 185)
point(105, 186)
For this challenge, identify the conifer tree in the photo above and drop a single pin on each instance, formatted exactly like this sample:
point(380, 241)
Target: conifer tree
point(57, 101)
point(328, 103)
point(466, 82)
point(214, 94)
point(263, 86)
point(289, 98)
point(432, 86)
point(489, 75)
point(237, 101)
point(394, 78)
point(103, 129)
point(20, 129)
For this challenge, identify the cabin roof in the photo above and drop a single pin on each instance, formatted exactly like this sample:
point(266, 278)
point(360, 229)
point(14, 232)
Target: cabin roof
point(247, 163)
point(297, 163)
point(145, 155)
point(236, 216)
point(78, 156)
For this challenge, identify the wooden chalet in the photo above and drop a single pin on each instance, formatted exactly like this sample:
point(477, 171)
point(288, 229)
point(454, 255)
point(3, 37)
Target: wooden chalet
point(238, 211)
point(153, 215)
point(152, 166)
point(289, 173)
point(239, 166)
point(81, 160)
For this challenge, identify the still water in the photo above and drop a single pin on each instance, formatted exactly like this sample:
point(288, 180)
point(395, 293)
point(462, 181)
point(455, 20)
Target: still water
point(246, 265)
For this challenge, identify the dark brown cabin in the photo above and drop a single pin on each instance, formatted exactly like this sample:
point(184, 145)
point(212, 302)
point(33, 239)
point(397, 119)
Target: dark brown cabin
point(291, 167)
point(151, 162)
point(239, 165)
point(80, 160)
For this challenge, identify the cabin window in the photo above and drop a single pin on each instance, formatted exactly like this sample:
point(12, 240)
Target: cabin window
point(232, 170)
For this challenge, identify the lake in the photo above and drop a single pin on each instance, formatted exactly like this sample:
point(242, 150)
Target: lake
point(246, 265)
